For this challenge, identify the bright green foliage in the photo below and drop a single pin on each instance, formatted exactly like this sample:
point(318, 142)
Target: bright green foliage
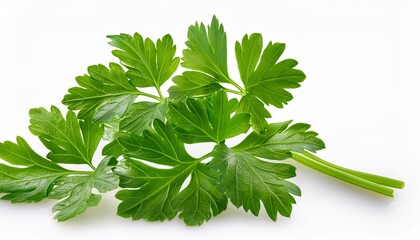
point(269, 79)
point(250, 104)
point(264, 78)
point(248, 55)
point(106, 94)
point(67, 141)
point(141, 116)
point(208, 120)
point(248, 181)
point(193, 84)
point(245, 179)
point(280, 140)
point(146, 155)
point(111, 129)
point(31, 183)
point(76, 191)
point(156, 187)
point(200, 200)
point(149, 64)
point(207, 51)
point(70, 141)
point(113, 148)
point(103, 93)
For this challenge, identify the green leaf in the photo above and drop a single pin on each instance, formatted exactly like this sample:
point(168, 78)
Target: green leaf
point(103, 179)
point(151, 200)
point(149, 64)
point(252, 105)
point(111, 129)
point(102, 94)
point(248, 181)
point(200, 200)
point(208, 120)
point(280, 140)
point(31, 178)
point(248, 54)
point(207, 51)
point(159, 145)
point(21, 154)
point(155, 190)
point(265, 79)
point(67, 140)
point(31, 183)
point(269, 79)
point(157, 187)
point(113, 149)
point(193, 84)
point(141, 116)
point(76, 191)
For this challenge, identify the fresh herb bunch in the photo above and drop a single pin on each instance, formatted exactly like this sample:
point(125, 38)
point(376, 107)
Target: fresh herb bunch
point(146, 155)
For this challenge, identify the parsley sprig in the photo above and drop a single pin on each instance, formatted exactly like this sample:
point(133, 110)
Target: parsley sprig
point(146, 155)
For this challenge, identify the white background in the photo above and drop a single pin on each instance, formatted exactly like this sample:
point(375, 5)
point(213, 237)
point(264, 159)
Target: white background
point(361, 59)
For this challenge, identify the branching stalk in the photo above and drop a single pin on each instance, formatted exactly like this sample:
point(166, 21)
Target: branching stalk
point(389, 182)
point(231, 81)
point(160, 99)
point(234, 91)
point(367, 181)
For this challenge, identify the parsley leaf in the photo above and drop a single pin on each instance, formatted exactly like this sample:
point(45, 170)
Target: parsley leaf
point(141, 115)
point(103, 93)
point(248, 55)
point(248, 180)
point(146, 154)
point(264, 77)
point(208, 120)
point(67, 140)
point(149, 64)
point(207, 51)
point(76, 191)
point(193, 84)
point(70, 141)
point(269, 79)
point(280, 140)
point(200, 200)
point(258, 113)
point(33, 179)
point(156, 194)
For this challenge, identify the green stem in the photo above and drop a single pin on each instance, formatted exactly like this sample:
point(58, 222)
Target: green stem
point(236, 85)
point(234, 91)
point(151, 95)
point(370, 177)
point(80, 172)
point(160, 94)
point(91, 166)
point(344, 176)
point(205, 157)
